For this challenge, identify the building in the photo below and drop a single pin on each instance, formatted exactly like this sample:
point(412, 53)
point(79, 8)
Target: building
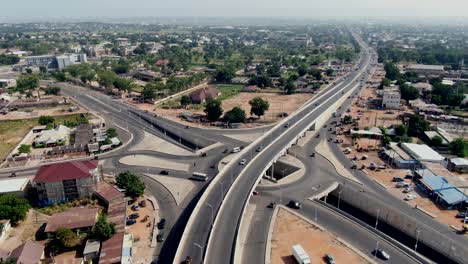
point(76, 218)
point(391, 98)
point(422, 86)
point(52, 137)
point(426, 69)
point(201, 95)
point(91, 250)
point(5, 227)
point(422, 152)
point(458, 165)
point(60, 62)
point(442, 191)
point(146, 76)
point(17, 186)
point(61, 182)
point(127, 249)
point(28, 253)
point(6, 83)
point(397, 157)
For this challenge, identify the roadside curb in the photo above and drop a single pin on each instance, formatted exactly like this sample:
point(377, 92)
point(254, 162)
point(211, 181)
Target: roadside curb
point(379, 183)
point(364, 256)
point(147, 175)
point(424, 211)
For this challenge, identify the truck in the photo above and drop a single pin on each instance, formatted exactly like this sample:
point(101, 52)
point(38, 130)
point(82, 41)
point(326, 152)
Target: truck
point(301, 256)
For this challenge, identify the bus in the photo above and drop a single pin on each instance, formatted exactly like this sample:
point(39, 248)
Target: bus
point(199, 176)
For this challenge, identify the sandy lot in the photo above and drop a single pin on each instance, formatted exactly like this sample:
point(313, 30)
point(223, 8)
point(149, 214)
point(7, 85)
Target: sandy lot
point(279, 103)
point(290, 230)
point(142, 232)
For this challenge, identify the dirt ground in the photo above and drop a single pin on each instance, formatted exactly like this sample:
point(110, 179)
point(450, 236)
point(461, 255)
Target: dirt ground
point(36, 112)
point(279, 103)
point(142, 233)
point(290, 230)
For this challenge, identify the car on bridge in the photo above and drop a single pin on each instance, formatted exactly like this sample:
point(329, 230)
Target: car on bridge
point(242, 161)
point(380, 253)
point(294, 204)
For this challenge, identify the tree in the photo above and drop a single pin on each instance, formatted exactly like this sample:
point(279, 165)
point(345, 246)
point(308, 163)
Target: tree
point(302, 70)
point(290, 87)
point(133, 186)
point(225, 74)
point(235, 115)
point(65, 237)
point(401, 130)
point(24, 148)
point(459, 147)
point(213, 109)
point(45, 120)
point(43, 69)
point(261, 81)
point(8, 261)
point(6, 59)
point(111, 132)
point(436, 141)
point(408, 92)
point(347, 119)
point(60, 76)
point(27, 82)
point(52, 90)
point(391, 71)
point(13, 207)
point(386, 140)
point(258, 106)
point(103, 230)
point(185, 100)
point(417, 125)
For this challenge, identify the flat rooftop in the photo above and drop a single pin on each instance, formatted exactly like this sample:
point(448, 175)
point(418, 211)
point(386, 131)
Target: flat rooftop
point(13, 184)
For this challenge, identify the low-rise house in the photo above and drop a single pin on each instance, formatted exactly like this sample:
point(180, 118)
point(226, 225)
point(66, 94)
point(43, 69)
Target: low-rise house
point(426, 69)
point(5, 228)
point(422, 152)
point(201, 95)
point(4, 255)
point(17, 186)
point(391, 98)
point(77, 218)
point(52, 137)
point(441, 190)
point(66, 181)
point(91, 250)
point(28, 253)
point(458, 165)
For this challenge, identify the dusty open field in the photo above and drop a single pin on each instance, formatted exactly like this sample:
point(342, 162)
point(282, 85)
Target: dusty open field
point(279, 103)
point(290, 230)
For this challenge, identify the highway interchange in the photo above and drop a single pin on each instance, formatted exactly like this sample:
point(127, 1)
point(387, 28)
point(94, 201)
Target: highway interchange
point(223, 199)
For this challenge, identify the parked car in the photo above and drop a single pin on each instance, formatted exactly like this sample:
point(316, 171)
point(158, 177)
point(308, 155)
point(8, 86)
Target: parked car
point(461, 215)
point(409, 197)
point(329, 258)
point(271, 205)
point(408, 176)
point(382, 254)
point(162, 223)
point(408, 190)
point(142, 203)
point(242, 161)
point(134, 216)
point(402, 185)
point(294, 204)
point(130, 221)
point(397, 179)
point(312, 155)
point(160, 237)
point(135, 207)
point(145, 218)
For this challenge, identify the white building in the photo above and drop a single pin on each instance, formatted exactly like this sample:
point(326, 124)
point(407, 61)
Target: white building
point(18, 186)
point(7, 83)
point(53, 136)
point(391, 98)
point(422, 152)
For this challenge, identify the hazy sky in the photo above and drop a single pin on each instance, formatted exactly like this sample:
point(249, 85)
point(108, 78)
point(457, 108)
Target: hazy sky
point(64, 9)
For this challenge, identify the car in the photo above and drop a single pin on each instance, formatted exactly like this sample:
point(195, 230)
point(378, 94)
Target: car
point(318, 136)
point(408, 190)
point(382, 254)
point(130, 221)
point(135, 207)
point(162, 223)
point(160, 237)
point(409, 197)
point(402, 185)
point(134, 216)
point(142, 203)
point(12, 175)
point(461, 215)
point(312, 155)
point(408, 176)
point(294, 204)
point(329, 258)
point(354, 166)
point(242, 161)
point(271, 205)
point(286, 125)
point(164, 172)
point(259, 148)
point(397, 179)
point(255, 192)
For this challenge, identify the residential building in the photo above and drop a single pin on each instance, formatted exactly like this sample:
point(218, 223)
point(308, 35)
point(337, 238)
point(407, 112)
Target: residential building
point(5, 227)
point(422, 152)
point(391, 98)
point(426, 69)
point(64, 61)
point(91, 250)
point(6, 83)
point(4, 255)
point(43, 60)
point(17, 186)
point(76, 218)
point(201, 95)
point(52, 137)
point(397, 157)
point(458, 165)
point(66, 181)
point(29, 252)
point(146, 76)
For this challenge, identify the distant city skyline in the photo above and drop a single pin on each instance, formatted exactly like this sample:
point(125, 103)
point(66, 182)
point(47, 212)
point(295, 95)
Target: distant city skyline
point(29, 10)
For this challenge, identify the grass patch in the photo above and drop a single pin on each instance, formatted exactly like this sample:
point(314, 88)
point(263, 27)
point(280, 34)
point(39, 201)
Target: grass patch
point(12, 132)
point(58, 208)
point(229, 90)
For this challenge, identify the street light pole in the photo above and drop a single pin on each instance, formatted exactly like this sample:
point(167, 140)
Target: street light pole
point(417, 239)
point(377, 219)
point(376, 248)
point(201, 251)
point(212, 213)
point(339, 198)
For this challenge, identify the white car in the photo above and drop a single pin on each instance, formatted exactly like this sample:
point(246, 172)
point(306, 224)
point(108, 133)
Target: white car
point(409, 197)
point(408, 190)
point(242, 161)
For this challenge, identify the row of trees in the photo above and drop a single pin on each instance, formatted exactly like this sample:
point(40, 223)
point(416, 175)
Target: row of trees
point(214, 110)
point(6, 59)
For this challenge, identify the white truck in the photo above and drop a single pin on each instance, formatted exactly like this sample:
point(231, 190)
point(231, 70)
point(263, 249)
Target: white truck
point(301, 256)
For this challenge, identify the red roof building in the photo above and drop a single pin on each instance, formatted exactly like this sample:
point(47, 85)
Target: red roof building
point(65, 171)
point(28, 253)
point(201, 95)
point(73, 218)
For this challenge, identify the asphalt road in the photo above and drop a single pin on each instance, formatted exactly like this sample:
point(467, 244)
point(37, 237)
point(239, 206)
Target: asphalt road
point(222, 238)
